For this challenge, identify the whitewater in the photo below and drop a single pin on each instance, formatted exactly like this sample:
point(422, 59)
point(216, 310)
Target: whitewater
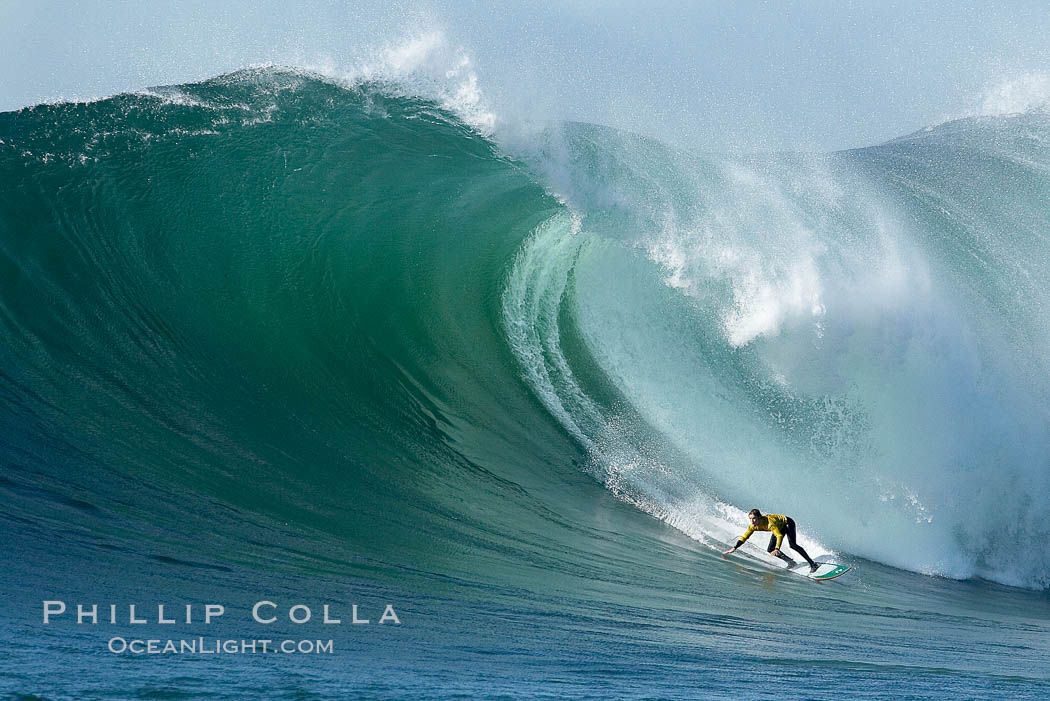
point(856, 335)
point(349, 340)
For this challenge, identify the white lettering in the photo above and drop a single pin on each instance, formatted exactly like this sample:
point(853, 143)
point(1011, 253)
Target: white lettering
point(327, 619)
point(123, 645)
point(213, 610)
point(82, 614)
point(160, 615)
point(53, 608)
point(389, 615)
point(131, 616)
point(255, 611)
point(356, 619)
point(291, 613)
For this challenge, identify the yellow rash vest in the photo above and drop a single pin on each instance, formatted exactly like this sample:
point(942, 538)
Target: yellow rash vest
point(770, 522)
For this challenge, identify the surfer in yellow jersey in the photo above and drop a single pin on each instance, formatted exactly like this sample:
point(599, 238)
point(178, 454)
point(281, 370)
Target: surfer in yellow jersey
point(780, 526)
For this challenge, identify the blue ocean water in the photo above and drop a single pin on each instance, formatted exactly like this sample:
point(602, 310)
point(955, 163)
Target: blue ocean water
point(271, 338)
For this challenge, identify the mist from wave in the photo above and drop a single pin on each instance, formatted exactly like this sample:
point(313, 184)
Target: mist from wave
point(853, 338)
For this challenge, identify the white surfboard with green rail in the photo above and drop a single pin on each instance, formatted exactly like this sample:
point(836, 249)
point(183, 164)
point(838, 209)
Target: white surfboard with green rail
point(824, 571)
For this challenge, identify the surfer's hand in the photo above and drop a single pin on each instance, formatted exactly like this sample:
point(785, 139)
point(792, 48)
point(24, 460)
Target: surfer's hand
point(726, 552)
point(775, 553)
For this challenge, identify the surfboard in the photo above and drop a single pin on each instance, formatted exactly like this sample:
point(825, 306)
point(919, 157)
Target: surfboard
point(825, 570)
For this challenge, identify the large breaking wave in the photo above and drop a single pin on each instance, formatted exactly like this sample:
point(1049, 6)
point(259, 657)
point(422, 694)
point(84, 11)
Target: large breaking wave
point(343, 308)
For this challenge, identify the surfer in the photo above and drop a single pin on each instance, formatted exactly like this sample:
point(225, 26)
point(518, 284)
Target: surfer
point(780, 526)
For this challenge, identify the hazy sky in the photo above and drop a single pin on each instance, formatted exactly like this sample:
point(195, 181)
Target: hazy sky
point(767, 74)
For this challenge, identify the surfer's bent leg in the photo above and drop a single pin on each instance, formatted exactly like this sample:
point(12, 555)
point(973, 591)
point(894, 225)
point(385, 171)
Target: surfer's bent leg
point(794, 546)
point(773, 546)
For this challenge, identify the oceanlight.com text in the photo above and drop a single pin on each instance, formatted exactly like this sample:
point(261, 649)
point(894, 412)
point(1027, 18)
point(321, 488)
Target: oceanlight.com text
point(218, 646)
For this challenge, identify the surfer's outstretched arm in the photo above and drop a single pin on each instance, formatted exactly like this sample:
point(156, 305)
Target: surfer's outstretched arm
point(732, 549)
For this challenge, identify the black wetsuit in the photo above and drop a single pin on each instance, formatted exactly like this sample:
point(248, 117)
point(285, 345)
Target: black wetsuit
point(789, 535)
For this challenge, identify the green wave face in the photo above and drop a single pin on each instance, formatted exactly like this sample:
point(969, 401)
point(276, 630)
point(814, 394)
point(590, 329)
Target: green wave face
point(268, 293)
